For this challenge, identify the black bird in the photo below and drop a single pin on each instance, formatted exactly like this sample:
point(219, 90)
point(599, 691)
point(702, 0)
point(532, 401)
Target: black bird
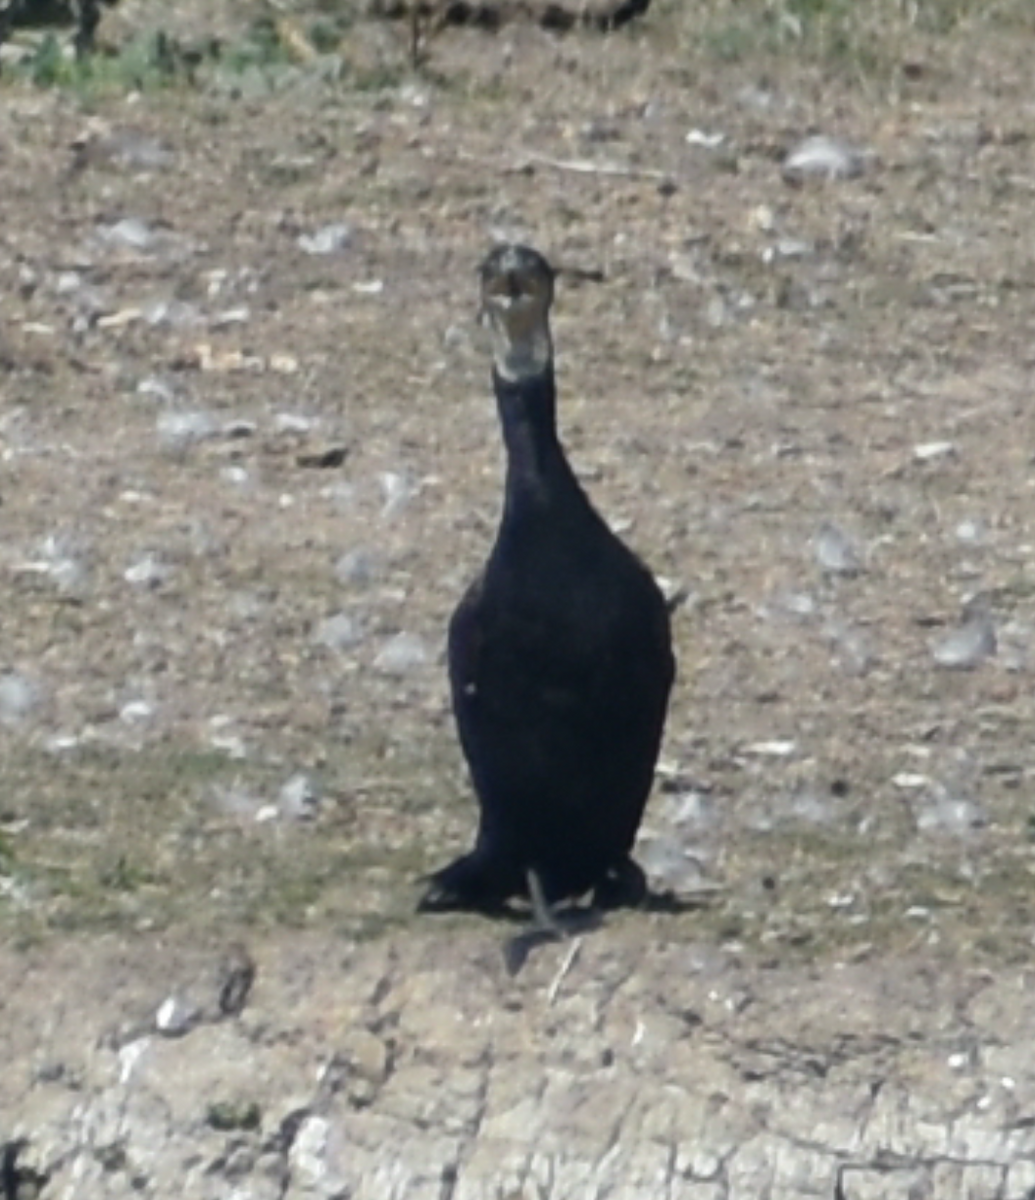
point(560, 653)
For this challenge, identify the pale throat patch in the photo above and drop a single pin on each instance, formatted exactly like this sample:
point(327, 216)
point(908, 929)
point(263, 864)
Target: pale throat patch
point(520, 357)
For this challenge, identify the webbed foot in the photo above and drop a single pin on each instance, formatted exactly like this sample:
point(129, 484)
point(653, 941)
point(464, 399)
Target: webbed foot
point(471, 883)
point(623, 886)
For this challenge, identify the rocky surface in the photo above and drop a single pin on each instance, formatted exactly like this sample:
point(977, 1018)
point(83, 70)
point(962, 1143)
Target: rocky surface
point(610, 1067)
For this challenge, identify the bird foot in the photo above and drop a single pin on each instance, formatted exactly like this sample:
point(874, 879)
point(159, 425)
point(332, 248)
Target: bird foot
point(624, 886)
point(466, 885)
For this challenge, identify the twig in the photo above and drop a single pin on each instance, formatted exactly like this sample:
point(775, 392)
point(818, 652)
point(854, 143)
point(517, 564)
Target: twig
point(583, 166)
point(578, 166)
point(558, 979)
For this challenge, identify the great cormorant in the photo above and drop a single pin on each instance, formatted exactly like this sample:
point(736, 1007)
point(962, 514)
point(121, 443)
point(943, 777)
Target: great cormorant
point(560, 652)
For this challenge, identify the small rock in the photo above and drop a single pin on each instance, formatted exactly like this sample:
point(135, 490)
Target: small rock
point(283, 363)
point(943, 812)
point(822, 157)
point(65, 566)
point(762, 218)
point(17, 698)
point(66, 282)
point(330, 239)
point(308, 1151)
point(834, 552)
point(157, 388)
point(799, 606)
point(671, 865)
point(299, 798)
point(967, 646)
point(717, 313)
point(130, 233)
point(136, 711)
point(401, 654)
point(971, 530)
point(240, 315)
point(61, 743)
point(788, 247)
point(693, 809)
point(773, 749)
point(173, 314)
point(147, 572)
point(178, 430)
point(455, 336)
point(929, 451)
point(356, 568)
point(339, 632)
point(176, 1017)
point(700, 137)
point(288, 422)
point(852, 645)
point(398, 492)
point(909, 780)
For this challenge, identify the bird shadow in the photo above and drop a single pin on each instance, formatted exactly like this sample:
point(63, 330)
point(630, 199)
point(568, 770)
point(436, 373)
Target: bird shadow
point(576, 920)
point(565, 923)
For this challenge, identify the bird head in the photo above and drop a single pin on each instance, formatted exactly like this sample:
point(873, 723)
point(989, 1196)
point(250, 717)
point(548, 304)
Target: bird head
point(516, 293)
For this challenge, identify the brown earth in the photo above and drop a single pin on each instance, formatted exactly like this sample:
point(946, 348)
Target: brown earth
point(760, 379)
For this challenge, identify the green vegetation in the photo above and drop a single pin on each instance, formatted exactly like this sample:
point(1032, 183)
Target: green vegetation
point(868, 39)
point(312, 37)
point(169, 836)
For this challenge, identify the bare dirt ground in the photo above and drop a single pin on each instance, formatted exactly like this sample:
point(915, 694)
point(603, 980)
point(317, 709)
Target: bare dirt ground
point(805, 403)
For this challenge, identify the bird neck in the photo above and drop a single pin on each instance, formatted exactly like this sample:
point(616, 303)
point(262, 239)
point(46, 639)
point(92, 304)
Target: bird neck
point(528, 416)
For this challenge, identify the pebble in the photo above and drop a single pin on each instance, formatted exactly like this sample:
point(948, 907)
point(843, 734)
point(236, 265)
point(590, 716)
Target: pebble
point(338, 631)
point(66, 569)
point(175, 1018)
point(330, 239)
point(773, 749)
point(398, 491)
point(130, 233)
point(173, 314)
point(671, 865)
point(299, 798)
point(834, 551)
point(289, 422)
point(17, 698)
point(945, 813)
point(147, 572)
point(971, 530)
point(356, 568)
point(967, 646)
point(401, 654)
point(177, 430)
point(822, 157)
point(930, 451)
point(136, 711)
point(156, 387)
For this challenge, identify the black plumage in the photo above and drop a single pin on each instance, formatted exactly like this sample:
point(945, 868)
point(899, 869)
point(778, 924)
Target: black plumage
point(560, 655)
